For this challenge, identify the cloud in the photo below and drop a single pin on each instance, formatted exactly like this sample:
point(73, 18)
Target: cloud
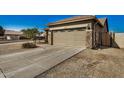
point(112, 31)
point(15, 27)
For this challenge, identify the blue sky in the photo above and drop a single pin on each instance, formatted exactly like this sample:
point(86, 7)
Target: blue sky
point(18, 22)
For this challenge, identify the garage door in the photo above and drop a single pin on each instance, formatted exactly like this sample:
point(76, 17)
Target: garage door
point(70, 38)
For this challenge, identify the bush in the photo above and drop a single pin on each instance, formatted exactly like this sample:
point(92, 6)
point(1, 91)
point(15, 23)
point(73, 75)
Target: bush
point(29, 45)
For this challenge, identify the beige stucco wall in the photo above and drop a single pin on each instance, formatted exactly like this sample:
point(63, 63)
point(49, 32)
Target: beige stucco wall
point(119, 39)
point(89, 39)
point(106, 38)
point(98, 29)
point(101, 36)
point(49, 37)
point(96, 36)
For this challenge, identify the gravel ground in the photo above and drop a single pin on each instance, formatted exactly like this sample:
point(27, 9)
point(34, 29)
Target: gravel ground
point(105, 63)
point(12, 41)
point(12, 48)
point(7, 47)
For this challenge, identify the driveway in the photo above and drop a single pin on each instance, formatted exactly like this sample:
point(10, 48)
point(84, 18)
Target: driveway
point(34, 62)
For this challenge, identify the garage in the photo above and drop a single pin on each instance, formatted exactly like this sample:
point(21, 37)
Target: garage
point(69, 32)
point(70, 38)
point(78, 31)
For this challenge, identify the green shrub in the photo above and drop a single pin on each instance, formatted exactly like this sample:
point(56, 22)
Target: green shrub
point(29, 45)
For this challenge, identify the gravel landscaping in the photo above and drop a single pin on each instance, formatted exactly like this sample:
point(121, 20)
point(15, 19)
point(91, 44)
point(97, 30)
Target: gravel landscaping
point(12, 48)
point(105, 63)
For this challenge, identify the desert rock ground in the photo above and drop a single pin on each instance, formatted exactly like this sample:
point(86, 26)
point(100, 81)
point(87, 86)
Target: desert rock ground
point(104, 63)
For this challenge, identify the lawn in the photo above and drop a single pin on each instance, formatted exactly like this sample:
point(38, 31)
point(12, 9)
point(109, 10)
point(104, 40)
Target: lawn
point(104, 63)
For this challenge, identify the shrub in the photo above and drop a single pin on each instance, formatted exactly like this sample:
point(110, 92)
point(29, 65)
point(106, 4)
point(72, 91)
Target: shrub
point(29, 45)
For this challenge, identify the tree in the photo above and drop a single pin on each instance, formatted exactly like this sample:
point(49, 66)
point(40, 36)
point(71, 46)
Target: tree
point(2, 31)
point(30, 32)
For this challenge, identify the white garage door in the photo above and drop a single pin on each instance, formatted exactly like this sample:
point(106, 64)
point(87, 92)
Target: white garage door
point(70, 38)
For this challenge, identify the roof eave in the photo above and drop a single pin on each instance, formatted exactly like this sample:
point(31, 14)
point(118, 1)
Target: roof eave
point(54, 23)
point(99, 23)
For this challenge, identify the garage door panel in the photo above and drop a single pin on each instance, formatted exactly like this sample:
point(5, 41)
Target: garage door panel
point(70, 38)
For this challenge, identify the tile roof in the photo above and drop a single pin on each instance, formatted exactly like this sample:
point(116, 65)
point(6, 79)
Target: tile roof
point(10, 32)
point(73, 19)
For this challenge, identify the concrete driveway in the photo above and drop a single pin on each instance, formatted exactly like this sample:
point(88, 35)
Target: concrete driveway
point(34, 62)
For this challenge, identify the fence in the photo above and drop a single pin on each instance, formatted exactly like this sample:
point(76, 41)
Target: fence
point(118, 40)
point(110, 39)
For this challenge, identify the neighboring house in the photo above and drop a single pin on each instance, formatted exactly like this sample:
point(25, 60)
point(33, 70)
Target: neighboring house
point(12, 35)
point(82, 31)
point(40, 36)
point(1, 37)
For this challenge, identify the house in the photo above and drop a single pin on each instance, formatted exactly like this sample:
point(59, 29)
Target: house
point(82, 31)
point(40, 36)
point(1, 37)
point(12, 35)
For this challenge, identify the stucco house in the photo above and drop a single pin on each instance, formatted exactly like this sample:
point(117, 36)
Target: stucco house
point(82, 31)
point(12, 35)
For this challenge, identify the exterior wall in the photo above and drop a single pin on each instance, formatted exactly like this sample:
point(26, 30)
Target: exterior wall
point(105, 29)
point(96, 35)
point(101, 36)
point(119, 40)
point(98, 31)
point(89, 39)
point(106, 39)
point(49, 37)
